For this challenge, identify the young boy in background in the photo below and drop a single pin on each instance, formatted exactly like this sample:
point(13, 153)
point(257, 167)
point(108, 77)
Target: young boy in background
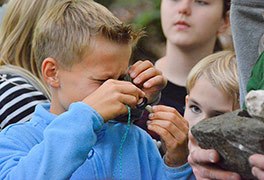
point(83, 52)
point(212, 88)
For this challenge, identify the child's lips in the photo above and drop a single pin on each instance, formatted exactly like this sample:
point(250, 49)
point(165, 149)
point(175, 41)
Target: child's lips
point(182, 25)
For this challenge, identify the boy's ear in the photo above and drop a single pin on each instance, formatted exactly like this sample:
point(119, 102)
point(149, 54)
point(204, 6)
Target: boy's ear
point(50, 72)
point(186, 99)
point(225, 24)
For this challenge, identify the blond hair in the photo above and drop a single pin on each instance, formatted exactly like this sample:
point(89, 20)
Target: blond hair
point(16, 32)
point(221, 70)
point(16, 35)
point(65, 32)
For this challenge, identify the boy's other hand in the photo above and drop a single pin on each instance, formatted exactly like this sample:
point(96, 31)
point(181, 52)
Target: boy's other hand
point(257, 163)
point(148, 78)
point(111, 98)
point(202, 162)
point(173, 130)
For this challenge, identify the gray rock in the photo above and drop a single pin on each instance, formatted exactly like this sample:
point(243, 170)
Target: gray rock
point(235, 136)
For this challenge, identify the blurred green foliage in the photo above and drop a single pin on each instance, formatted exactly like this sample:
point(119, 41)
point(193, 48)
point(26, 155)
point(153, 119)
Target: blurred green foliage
point(142, 14)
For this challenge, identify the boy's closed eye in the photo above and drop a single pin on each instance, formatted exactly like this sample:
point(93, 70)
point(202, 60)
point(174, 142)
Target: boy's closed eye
point(121, 78)
point(101, 81)
point(125, 77)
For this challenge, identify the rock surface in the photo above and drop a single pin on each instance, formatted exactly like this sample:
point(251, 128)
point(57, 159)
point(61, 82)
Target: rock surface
point(235, 136)
point(255, 103)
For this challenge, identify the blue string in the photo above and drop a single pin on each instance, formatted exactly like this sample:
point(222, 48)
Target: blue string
point(124, 137)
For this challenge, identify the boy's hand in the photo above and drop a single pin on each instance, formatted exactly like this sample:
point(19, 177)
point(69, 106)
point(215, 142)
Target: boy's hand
point(148, 78)
point(111, 98)
point(257, 163)
point(202, 162)
point(173, 130)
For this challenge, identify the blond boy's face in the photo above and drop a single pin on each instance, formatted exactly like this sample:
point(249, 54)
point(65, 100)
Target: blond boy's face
point(205, 101)
point(107, 60)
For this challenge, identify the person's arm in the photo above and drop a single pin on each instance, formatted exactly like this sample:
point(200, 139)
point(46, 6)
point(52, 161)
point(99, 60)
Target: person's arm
point(180, 173)
point(18, 99)
point(39, 151)
point(173, 130)
point(160, 170)
point(145, 75)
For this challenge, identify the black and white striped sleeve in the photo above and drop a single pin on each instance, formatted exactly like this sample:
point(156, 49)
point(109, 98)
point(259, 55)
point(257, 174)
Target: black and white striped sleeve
point(18, 99)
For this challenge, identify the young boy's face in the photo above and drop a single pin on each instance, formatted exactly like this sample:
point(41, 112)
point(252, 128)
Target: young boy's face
point(106, 60)
point(205, 101)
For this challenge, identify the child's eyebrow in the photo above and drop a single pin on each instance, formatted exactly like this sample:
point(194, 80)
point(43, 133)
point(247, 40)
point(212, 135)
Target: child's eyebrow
point(194, 102)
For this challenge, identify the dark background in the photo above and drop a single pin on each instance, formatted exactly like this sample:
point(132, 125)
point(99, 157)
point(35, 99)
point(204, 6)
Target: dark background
point(142, 14)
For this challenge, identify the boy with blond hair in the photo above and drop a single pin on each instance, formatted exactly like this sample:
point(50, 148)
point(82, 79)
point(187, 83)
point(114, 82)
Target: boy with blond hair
point(83, 53)
point(212, 87)
point(213, 77)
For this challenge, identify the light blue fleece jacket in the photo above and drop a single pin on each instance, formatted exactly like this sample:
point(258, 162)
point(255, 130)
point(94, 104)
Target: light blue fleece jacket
point(78, 145)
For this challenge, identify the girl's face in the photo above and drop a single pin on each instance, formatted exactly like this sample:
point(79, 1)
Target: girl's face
point(190, 23)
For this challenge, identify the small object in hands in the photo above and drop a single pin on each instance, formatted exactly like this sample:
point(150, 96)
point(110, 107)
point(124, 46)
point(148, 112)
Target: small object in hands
point(142, 104)
point(144, 101)
point(149, 108)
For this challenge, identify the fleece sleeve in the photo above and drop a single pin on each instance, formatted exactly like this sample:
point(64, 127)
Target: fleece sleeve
point(53, 153)
point(161, 171)
point(183, 172)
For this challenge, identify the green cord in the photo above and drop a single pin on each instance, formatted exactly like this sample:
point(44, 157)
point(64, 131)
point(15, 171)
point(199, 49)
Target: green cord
point(124, 137)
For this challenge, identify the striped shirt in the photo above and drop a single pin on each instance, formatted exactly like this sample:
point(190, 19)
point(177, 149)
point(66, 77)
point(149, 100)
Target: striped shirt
point(18, 99)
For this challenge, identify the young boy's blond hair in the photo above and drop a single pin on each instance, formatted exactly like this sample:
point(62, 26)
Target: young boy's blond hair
point(83, 52)
point(75, 30)
point(221, 70)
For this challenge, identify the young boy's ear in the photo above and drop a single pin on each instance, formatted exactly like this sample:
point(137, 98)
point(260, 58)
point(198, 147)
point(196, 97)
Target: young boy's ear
point(50, 72)
point(186, 99)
